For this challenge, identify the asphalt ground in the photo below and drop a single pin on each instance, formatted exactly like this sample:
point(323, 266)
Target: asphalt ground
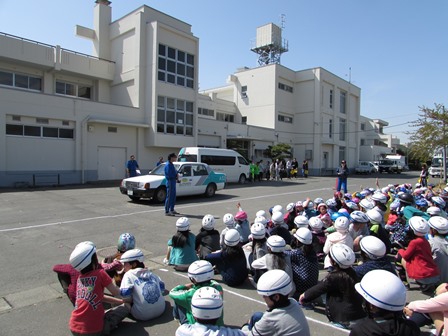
point(40, 227)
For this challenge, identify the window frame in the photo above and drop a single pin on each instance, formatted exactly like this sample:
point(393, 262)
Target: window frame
point(177, 115)
point(175, 66)
point(29, 78)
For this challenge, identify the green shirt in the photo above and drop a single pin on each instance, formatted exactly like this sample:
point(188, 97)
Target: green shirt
point(182, 296)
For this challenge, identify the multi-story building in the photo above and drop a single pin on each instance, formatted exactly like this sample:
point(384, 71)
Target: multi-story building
point(374, 143)
point(67, 117)
point(314, 111)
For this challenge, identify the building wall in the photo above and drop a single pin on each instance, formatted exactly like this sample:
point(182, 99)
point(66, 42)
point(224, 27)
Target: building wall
point(279, 105)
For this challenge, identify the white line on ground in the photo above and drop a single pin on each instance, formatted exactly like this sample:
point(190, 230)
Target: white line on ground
point(150, 211)
point(264, 304)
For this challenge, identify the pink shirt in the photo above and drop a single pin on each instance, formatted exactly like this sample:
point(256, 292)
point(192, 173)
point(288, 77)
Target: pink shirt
point(438, 303)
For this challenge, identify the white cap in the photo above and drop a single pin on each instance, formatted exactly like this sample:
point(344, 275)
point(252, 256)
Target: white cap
point(201, 271)
point(304, 236)
point(261, 213)
point(258, 231)
point(375, 217)
point(274, 282)
point(277, 208)
point(261, 219)
point(183, 224)
point(228, 220)
point(276, 243)
point(206, 303)
point(439, 223)
point(232, 237)
point(81, 257)
point(383, 290)
point(277, 218)
point(419, 225)
point(132, 255)
point(341, 224)
point(342, 255)
point(373, 247)
point(434, 211)
point(316, 223)
point(208, 222)
point(301, 221)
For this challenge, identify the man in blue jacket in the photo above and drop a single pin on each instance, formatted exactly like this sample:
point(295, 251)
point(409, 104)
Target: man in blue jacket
point(171, 180)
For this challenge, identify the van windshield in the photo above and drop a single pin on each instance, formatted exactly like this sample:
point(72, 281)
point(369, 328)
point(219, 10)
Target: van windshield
point(187, 158)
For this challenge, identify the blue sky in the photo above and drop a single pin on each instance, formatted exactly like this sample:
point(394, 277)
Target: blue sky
point(397, 49)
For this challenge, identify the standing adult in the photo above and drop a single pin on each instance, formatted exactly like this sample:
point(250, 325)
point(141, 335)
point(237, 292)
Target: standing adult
point(132, 168)
point(294, 166)
point(342, 173)
point(305, 168)
point(160, 161)
point(288, 168)
point(424, 175)
point(171, 180)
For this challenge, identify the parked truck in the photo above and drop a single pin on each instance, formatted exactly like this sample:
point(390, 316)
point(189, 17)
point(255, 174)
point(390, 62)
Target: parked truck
point(390, 166)
point(399, 159)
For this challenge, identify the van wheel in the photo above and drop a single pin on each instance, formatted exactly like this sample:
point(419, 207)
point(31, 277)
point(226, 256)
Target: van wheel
point(242, 179)
point(210, 190)
point(160, 195)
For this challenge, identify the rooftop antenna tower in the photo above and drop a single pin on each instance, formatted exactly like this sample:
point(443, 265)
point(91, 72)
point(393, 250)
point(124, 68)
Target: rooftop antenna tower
point(269, 44)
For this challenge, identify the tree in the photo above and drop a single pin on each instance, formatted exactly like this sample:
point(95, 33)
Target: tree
point(431, 131)
point(279, 151)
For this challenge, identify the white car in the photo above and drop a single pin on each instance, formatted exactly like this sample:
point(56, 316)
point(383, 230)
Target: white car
point(365, 167)
point(194, 179)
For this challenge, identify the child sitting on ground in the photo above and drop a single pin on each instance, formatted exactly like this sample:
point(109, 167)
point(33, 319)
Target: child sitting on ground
point(88, 317)
point(207, 308)
point(142, 290)
point(229, 222)
point(230, 260)
point(181, 251)
point(341, 236)
point(200, 273)
point(207, 239)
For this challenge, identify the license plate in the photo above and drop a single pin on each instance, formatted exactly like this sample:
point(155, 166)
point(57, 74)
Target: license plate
point(130, 192)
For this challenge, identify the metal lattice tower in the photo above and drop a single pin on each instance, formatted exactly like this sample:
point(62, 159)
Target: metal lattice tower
point(269, 44)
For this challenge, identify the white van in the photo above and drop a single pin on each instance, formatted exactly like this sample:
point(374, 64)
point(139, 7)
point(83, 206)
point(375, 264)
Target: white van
point(220, 160)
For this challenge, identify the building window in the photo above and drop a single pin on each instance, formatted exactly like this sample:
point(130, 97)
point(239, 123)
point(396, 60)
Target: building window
point(75, 90)
point(175, 67)
point(206, 112)
point(40, 131)
point(112, 129)
point(363, 142)
point(330, 128)
point(342, 102)
point(20, 81)
point(285, 119)
point(244, 91)
point(42, 121)
point(285, 87)
point(341, 153)
point(342, 130)
point(225, 117)
point(174, 116)
point(331, 99)
point(363, 126)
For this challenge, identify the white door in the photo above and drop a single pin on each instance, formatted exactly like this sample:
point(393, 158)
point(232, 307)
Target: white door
point(325, 160)
point(111, 163)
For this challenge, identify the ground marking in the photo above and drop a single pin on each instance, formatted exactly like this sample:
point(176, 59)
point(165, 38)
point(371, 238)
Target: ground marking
point(150, 211)
point(264, 304)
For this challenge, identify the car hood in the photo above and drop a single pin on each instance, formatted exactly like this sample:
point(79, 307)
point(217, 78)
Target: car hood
point(145, 178)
